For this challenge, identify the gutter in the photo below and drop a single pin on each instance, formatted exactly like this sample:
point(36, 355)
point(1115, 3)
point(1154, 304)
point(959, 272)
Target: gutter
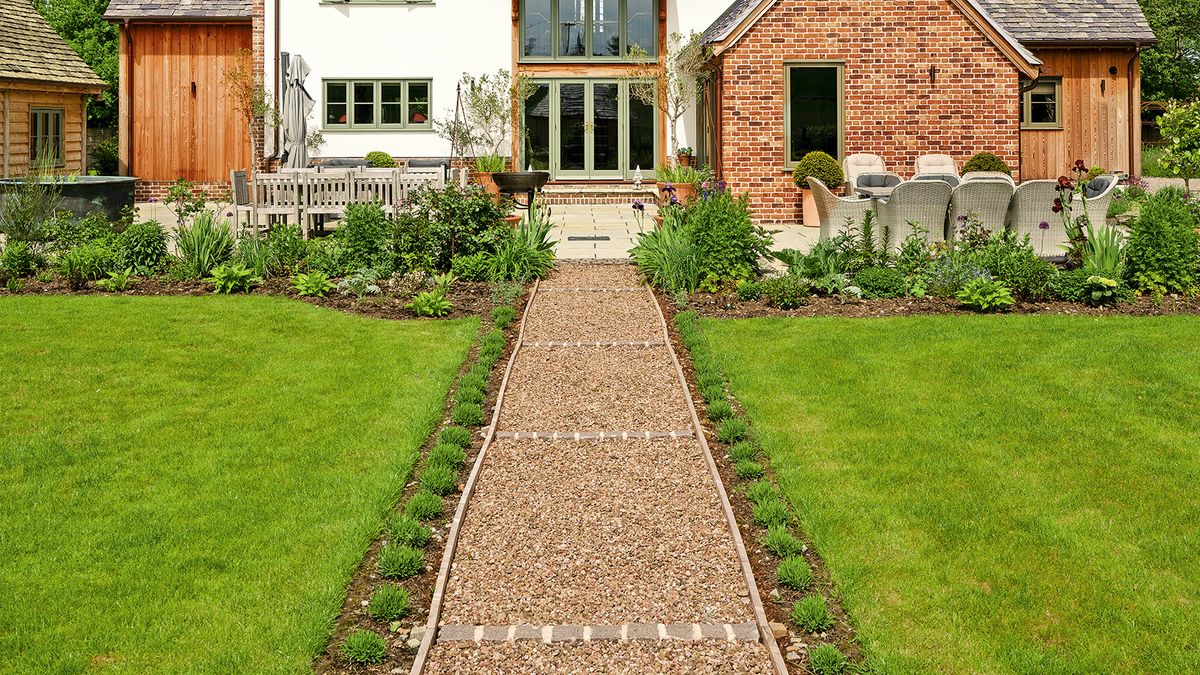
point(1135, 113)
point(128, 131)
point(275, 85)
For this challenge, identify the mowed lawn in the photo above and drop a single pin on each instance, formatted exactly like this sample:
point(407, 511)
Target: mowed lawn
point(188, 483)
point(991, 494)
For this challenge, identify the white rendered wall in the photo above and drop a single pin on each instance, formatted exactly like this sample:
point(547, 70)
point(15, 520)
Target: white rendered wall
point(438, 41)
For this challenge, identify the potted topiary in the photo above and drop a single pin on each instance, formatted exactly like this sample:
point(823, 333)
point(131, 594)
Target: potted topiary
point(684, 156)
point(381, 160)
point(824, 168)
point(986, 161)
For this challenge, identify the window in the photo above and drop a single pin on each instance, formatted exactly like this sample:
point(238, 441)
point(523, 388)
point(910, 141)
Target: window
point(378, 104)
point(582, 30)
point(813, 110)
point(1041, 106)
point(46, 137)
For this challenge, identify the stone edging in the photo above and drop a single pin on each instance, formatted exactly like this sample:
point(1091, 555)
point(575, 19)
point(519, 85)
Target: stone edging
point(615, 289)
point(593, 435)
point(658, 632)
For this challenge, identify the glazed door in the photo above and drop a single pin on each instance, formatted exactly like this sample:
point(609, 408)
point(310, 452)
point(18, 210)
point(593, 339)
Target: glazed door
point(593, 130)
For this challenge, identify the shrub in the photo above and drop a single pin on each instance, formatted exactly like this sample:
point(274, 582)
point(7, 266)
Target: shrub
point(406, 530)
point(719, 410)
point(18, 260)
point(431, 304)
point(450, 456)
point(364, 238)
point(827, 660)
point(761, 492)
point(743, 451)
point(312, 285)
point(821, 166)
point(325, 256)
point(811, 614)
point(388, 603)
point(397, 561)
point(440, 225)
point(255, 254)
point(986, 161)
point(457, 436)
point(713, 392)
point(87, 262)
point(725, 239)
point(667, 258)
point(781, 542)
point(203, 245)
point(287, 249)
point(748, 470)
point(733, 430)
point(749, 291)
point(1163, 252)
point(363, 647)
point(438, 479)
point(228, 279)
point(144, 247)
point(362, 283)
point(381, 160)
point(880, 282)
point(785, 292)
point(1070, 286)
point(986, 295)
point(1025, 273)
point(526, 253)
point(424, 505)
point(795, 573)
point(771, 512)
point(105, 157)
point(116, 282)
point(503, 316)
point(467, 415)
point(66, 231)
point(472, 267)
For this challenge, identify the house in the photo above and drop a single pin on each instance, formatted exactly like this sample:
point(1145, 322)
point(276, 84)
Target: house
point(178, 117)
point(1037, 83)
point(44, 91)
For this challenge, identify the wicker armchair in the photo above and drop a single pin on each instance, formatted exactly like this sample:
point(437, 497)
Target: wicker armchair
point(948, 178)
point(987, 199)
point(1099, 193)
point(861, 163)
point(922, 202)
point(1031, 212)
point(834, 210)
point(936, 164)
point(989, 175)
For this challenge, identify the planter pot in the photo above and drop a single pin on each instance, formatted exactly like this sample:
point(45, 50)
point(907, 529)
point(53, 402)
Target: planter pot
point(514, 221)
point(484, 180)
point(658, 222)
point(684, 160)
point(684, 192)
point(809, 213)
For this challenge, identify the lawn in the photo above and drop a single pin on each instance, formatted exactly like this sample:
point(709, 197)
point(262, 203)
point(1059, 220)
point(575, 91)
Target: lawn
point(188, 483)
point(991, 494)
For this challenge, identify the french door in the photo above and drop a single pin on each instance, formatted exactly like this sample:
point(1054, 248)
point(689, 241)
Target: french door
point(588, 129)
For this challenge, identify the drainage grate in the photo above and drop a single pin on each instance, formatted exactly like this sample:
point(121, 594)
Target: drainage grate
point(591, 237)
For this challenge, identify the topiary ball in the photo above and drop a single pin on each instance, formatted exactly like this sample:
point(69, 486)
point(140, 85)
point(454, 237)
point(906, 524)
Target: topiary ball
point(381, 160)
point(986, 161)
point(821, 166)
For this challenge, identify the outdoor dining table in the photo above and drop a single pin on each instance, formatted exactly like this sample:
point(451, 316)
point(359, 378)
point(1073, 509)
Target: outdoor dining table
point(876, 192)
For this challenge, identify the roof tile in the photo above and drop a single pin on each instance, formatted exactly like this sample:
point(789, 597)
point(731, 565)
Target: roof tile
point(179, 9)
point(31, 50)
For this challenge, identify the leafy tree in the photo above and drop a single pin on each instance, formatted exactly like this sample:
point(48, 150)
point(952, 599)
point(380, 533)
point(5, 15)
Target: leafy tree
point(81, 24)
point(673, 87)
point(1181, 130)
point(1171, 67)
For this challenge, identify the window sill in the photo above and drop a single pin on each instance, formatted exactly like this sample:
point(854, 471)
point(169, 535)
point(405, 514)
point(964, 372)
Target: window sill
point(1025, 127)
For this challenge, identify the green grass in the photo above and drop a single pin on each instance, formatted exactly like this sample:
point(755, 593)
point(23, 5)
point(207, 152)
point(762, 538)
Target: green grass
point(1150, 166)
point(188, 483)
point(991, 494)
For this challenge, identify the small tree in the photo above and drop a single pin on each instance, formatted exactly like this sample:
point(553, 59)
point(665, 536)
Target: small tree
point(675, 86)
point(1180, 127)
point(484, 125)
point(252, 101)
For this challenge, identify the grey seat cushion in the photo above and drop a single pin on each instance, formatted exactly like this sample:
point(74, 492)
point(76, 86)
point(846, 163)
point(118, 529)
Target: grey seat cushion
point(948, 178)
point(877, 180)
point(1096, 187)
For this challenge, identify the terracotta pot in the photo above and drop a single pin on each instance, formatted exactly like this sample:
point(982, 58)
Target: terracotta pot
point(809, 213)
point(684, 160)
point(658, 222)
point(686, 192)
point(514, 220)
point(484, 180)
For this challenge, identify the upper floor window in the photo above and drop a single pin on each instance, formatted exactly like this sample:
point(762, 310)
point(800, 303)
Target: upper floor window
point(377, 104)
point(588, 29)
point(1041, 106)
point(46, 137)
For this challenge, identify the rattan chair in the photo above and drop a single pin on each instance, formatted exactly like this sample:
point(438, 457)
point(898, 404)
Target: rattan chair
point(987, 200)
point(1031, 212)
point(834, 210)
point(989, 175)
point(948, 178)
point(921, 202)
point(857, 164)
point(1099, 194)
point(935, 164)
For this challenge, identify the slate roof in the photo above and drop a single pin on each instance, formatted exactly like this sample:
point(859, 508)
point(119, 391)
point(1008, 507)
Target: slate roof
point(31, 51)
point(1028, 21)
point(179, 9)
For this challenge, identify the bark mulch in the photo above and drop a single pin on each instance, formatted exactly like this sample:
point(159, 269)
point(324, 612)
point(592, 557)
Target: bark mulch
point(595, 532)
point(665, 658)
point(592, 317)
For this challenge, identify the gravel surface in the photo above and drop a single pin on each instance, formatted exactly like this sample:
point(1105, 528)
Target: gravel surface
point(601, 657)
point(594, 389)
point(592, 317)
point(587, 275)
point(595, 532)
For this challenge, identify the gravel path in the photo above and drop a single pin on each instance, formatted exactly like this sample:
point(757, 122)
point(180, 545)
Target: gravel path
point(574, 533)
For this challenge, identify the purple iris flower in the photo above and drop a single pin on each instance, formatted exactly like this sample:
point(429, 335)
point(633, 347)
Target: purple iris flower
point(1043, 225)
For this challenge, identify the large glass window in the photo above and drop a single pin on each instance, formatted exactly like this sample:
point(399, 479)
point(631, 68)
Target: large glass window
point(1041, 105)
point(588, 29)
point(537, 128)
point(813, 115)
point(377, 104)
point(46, 137)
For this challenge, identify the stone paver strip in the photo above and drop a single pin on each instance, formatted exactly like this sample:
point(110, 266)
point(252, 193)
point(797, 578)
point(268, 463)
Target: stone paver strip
point(565, 532)
point(593, 389)
point(663, 658)
point(592, 316)
point(745, 632)
point(595, 435)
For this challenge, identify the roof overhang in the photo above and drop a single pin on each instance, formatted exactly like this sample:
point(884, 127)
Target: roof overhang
point(33, 84)
point(1089, 44)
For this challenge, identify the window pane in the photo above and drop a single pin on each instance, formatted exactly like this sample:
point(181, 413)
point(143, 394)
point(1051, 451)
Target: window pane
point(335, 92)
point(606, 28)
point(418, 103)
point(537, 128)
point(537, 21)
point(813, 110)
point(364, 103)
point(335, 103)
point(642, 25)
point(1043, 108)
point(641, 135)
point(1043, 113)
point(571, 37)
point(335, 113)
point(391, 99)
point(606, 129)
point(572, 135)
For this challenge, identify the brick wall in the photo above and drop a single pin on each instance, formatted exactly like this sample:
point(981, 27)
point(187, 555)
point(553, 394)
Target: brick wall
point(891, 109)
point(146, 190)
point(258, 48)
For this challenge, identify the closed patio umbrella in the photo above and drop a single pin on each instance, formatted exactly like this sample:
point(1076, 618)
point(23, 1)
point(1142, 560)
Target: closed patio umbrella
point(297, 105)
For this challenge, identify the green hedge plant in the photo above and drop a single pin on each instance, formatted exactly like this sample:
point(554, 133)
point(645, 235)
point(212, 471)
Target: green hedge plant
point(819, 165)
point(986, 161)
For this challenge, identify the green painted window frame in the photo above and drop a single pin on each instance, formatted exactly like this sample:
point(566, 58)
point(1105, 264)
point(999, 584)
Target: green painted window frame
point(788, 162)
point(589, 13)
point(377, 2)
point(46, 131)
point(377, 101)
point(1052, 85)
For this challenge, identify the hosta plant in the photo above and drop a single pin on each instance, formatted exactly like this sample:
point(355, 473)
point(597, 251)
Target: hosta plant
point(986, 295)
point(228, 279)
point(431, 303)
point(312, 285)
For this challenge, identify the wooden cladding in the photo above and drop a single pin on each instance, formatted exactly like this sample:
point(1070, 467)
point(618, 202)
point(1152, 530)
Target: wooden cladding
point(183, 120)
point(1095, 115)
point(17, 105)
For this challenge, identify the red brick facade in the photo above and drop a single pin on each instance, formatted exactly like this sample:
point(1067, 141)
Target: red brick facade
point(891, 108)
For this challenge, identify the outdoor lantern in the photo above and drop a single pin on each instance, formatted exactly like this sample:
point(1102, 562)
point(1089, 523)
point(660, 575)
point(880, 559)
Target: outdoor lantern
point(637, 178)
